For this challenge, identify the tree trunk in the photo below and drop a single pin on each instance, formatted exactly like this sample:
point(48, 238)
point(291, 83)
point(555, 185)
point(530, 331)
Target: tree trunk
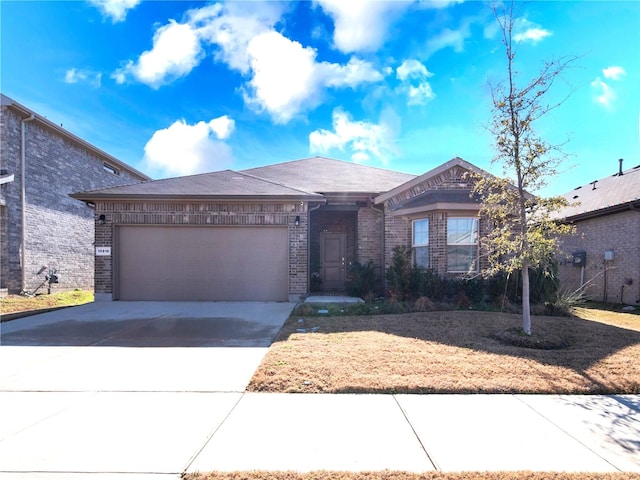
point(526, 307)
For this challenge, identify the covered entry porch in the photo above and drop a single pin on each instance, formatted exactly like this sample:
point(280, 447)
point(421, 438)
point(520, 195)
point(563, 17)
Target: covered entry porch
point(340, 235)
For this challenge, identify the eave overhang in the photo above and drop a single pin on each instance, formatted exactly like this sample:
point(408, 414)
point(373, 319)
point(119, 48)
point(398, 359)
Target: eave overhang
point(438, 206)
point(88, 197)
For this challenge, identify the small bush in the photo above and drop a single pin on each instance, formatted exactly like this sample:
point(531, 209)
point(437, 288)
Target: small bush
point(423, 304)
point(462, 300)
point(401, 275)
point(362, 280)
point(304, 310)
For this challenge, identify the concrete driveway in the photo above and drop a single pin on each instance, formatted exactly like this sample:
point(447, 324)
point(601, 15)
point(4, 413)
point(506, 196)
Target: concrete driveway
point(133, 387)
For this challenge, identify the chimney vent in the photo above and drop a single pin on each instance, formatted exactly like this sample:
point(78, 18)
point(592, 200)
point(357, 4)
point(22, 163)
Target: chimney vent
point(620, 168)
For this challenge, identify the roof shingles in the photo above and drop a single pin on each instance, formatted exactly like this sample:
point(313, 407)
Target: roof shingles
point(611, 192)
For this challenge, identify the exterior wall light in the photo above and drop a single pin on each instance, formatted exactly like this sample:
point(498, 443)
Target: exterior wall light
point(101, 219)
point(297, 221)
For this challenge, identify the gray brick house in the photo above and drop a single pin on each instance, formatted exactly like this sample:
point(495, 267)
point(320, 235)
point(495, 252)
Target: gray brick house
point(604, 255)
point(40, 225)
point(263, 233)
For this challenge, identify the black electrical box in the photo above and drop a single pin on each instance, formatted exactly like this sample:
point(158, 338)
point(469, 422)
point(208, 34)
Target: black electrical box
point(579, 259)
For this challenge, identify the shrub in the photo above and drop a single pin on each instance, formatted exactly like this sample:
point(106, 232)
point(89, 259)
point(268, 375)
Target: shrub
point(401, 275)
point(362, 280)
point(423, 304)
point(304, 310)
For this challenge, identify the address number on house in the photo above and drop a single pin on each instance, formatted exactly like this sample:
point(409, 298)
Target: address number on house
point(103, 251)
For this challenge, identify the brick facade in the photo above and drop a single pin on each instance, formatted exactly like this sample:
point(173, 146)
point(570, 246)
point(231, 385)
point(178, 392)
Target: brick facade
point(617, 232)
point(59, 230)
point(203, 213)
point(370, 232)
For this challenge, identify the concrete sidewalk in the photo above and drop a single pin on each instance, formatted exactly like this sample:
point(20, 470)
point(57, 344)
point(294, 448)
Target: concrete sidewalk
point(162, 434)
point(143, 390)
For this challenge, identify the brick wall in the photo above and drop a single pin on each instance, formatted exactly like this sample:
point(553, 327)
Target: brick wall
point(618, 232)
point(370, 231)
point(398, 227)
point(59, 229)
point(203, 213)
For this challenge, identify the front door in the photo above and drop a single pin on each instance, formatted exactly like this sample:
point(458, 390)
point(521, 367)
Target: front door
point(332, 257)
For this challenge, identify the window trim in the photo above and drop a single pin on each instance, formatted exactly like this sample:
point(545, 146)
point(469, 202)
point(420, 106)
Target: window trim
point(475, 244)
point(415, 245)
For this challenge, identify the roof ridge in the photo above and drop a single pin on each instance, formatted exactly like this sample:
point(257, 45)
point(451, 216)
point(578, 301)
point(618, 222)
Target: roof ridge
point(346, 162)
point(272, 182)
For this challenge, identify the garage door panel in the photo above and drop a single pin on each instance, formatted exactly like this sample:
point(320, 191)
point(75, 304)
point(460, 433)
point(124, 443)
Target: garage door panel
point(202, 263)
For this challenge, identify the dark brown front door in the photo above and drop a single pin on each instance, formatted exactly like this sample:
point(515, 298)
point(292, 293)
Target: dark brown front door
point(332, 253)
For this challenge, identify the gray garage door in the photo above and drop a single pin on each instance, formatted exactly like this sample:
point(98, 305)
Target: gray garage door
point(202, 263)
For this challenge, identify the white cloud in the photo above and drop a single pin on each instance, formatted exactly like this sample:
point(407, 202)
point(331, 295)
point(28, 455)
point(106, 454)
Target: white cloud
point(412, 69)
point(176, 51)
point(354, 73)
point(420, 94)
point(283, 76)
point(183, 149)
point(449, 38)
point(75, 75)
point(286, 78)
point(533, 35)
point(604, 94)
point(361, 25)
point(614, 73)
point(366, 140)
point(115, 9)
point(413, 76)
point(222, 126)
point(232, 27)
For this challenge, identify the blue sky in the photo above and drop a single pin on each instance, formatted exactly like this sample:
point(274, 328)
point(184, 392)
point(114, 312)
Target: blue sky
point(180, 87)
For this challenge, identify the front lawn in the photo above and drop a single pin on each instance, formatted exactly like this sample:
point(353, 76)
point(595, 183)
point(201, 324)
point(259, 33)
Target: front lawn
point(20, 303)
point(454, 352)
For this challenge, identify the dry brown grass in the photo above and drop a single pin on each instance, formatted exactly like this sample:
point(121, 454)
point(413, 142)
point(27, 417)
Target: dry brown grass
point(411, 476)
point(452, 352)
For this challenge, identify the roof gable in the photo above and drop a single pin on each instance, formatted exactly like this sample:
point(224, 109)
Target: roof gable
point(326, 175)
point(449, 175)
point(27, 113)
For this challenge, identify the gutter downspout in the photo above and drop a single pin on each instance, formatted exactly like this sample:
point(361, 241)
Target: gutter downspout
point(382, 273)
point(23, 196)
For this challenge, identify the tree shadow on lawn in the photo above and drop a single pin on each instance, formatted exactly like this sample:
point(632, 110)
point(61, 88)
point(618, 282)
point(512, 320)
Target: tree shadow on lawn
point(584, 344)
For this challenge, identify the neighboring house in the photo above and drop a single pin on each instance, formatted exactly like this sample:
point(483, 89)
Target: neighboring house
point(40, 226)
point(262, 233)
point(604, 255)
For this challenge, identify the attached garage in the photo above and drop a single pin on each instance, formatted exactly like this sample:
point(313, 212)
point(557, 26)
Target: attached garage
point(209, 263)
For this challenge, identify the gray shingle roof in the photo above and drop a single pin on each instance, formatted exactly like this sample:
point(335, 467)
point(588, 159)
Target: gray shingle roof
point(300, 179)
point(326, 175)
point(613, 192)
point(225, 183)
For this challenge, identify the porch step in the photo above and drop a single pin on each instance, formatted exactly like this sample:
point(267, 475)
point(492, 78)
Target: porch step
point(332, 299)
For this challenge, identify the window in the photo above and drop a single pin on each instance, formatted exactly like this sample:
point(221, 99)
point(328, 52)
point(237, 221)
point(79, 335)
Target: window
point(462, 244)
point(108, 168)
point(421, 243)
